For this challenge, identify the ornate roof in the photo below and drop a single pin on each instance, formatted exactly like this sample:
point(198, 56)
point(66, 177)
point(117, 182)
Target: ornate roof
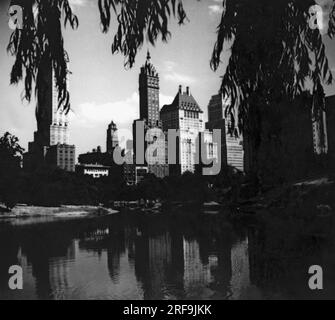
point(183, 101)
point(148, 68)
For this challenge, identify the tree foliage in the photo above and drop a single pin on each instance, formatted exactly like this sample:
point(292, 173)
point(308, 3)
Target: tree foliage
point(10, 150)
point(41, 38)
point(10, 159)
point(274, 53)
point(139, 20)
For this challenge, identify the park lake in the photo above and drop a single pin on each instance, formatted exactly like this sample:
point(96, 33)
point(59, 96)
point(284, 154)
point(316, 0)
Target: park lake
point(129, 255)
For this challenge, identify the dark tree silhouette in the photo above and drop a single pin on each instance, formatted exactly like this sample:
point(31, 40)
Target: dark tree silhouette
point(274, 53)
point(10, 150)
point(10, 160)
point(41, 38)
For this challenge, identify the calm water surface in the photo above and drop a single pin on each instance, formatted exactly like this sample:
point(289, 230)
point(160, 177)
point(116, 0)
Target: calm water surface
point(128, 256)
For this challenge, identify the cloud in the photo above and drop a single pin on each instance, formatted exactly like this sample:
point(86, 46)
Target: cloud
point(179, 78)
point(123, 113)
point(78, 3)
point(215, 9)
point(89, 121)
point(171, 75)
point(327, 8)
point(91, 114)
point(163, 99)
point(169, 66)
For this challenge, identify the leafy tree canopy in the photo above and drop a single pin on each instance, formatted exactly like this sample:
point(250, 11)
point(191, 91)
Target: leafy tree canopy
point(41, 38)
point(274, 53)
point(10, 150)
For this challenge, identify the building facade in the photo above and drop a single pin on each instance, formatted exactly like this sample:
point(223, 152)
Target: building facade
point(210, 153)
point(112, 138)
point(62, 156)
point(185, 116)
point(51, 140)
point(149, 93)
point(101, 161)
point(148, 137)
point(232, 144)
point(94, 170)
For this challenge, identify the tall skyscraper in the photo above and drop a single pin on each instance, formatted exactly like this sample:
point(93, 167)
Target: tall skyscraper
point(149, 93)
point(232, 143)
point(185, 115)
point(52, 135)
point(155, 148)
point(52, 121)
point(112, 138)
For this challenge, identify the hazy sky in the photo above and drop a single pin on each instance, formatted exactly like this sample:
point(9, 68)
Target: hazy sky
point(102, 90)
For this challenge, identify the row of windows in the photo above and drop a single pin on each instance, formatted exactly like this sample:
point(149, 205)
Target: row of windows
point(191, 114)
point(60, 124)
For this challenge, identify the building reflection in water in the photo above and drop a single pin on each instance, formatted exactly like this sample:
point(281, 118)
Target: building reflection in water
point(145, 261)
point(48, 255)
point(197, 275)
point(172, 266)
point(240, 279)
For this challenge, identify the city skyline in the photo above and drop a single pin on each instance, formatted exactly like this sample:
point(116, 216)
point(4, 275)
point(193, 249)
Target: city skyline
point(103, 90)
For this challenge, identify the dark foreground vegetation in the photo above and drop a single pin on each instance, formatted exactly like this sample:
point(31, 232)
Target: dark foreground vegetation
point(53, 187)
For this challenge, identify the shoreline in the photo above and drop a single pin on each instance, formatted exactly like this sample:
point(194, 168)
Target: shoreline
point(64, 211)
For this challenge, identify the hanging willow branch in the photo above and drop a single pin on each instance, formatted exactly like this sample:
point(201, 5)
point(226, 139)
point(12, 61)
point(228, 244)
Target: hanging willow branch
point(274, 53)
point(41, 38)
point(138, 19)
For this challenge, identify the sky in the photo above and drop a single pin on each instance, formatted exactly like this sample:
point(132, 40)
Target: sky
point(101, 88)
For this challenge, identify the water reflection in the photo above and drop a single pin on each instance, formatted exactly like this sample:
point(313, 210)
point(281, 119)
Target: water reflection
point(132, 257)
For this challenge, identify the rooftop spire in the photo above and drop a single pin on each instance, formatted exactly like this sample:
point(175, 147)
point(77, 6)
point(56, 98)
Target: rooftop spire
point(148, 56)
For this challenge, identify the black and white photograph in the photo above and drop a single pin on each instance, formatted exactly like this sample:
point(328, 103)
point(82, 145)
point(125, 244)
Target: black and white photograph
point(168, 155)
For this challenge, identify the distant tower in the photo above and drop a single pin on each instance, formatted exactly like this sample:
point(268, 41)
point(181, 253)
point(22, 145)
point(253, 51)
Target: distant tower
point(149, 93)
point(112, 137)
